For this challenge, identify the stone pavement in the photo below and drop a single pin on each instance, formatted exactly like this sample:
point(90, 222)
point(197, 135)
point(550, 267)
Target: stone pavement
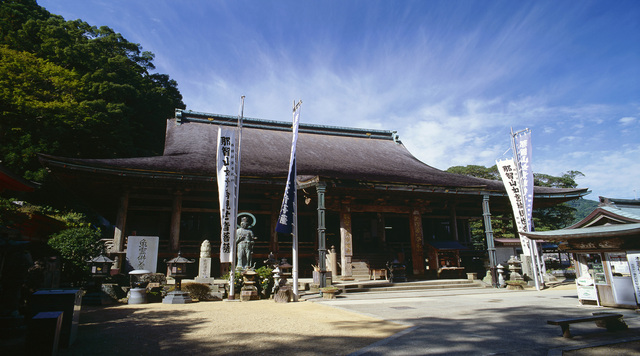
point(489, 322)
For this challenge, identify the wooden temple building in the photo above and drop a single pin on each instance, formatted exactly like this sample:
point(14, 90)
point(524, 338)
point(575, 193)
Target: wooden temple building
point(359, 190)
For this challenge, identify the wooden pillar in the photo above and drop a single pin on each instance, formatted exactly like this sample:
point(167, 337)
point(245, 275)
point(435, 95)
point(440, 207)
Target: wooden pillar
point(417, 255)
point(454, 223)
point(488, 230)
point(322, 249)
point(118, 232)
point(275, 211)
point(346, 242)
point(176, 213)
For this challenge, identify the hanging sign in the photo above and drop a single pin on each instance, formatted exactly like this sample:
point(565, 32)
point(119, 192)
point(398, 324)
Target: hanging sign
point(227, 170)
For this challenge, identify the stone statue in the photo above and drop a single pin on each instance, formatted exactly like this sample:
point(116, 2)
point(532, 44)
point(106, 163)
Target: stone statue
point(205, 249)
point(244, 242)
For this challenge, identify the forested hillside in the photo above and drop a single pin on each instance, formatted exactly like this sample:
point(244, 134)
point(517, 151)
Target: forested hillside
point(72, 89)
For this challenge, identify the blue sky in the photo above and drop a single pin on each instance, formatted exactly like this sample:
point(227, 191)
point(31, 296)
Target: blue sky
point(452, 77)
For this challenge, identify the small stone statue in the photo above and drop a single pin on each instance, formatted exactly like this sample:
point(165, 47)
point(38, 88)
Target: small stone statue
point(244, 241)
point(205, 249)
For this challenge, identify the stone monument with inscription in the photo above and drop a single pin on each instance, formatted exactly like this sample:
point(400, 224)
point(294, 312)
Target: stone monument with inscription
point(142, 253)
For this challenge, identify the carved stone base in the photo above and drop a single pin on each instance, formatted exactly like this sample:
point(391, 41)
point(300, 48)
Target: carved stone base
point(249, 293)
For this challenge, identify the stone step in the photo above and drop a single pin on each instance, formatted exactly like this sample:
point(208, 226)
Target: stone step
point(407, 286)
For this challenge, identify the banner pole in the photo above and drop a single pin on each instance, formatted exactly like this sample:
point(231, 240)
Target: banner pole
point(232, 267)
point(294, 252)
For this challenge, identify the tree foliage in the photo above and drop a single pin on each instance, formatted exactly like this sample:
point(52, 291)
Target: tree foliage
point(71, 89)
point(544, 219)
point(76, 246)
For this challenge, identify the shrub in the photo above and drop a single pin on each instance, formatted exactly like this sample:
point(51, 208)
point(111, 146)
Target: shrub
point(198, 291)
point(76, 246)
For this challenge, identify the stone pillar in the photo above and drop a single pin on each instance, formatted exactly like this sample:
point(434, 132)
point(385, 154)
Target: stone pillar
point(488, 230)
point(118, 232)
point(322, 249)
point(176, 213)
point(346, 243)
point(417, 255)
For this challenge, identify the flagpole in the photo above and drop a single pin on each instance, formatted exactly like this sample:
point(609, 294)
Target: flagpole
point(294, 252)
point(232, 269)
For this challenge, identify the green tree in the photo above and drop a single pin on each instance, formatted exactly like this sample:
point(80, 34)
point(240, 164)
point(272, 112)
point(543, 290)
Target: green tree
point(476, 171)
point(72, 89)
point(544, 219)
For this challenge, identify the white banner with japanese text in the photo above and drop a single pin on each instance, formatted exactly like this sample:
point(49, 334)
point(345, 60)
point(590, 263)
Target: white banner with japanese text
point(523, 154)
point(508, 172)
point(227, 170)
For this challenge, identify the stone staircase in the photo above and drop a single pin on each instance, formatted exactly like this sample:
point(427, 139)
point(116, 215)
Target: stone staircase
point(360, 270)
point(438, 284)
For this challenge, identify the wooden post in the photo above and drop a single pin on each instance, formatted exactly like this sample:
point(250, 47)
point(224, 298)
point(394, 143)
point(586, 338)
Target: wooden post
point(417, 255)
point(486, 214)
point(454, 223)
point(322, 249)
point(346, 242)
point(118, 232)
point(176, 213)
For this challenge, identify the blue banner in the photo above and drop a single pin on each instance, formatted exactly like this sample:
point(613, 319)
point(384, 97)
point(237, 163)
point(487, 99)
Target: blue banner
point(286, 219)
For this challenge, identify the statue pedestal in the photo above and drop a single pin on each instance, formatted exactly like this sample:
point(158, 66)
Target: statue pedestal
point(249, 293)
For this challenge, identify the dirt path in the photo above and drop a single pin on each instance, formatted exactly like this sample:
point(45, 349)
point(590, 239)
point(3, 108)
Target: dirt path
point(260, 327)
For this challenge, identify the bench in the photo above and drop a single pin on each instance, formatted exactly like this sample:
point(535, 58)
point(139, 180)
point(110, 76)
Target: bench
point(611, 321)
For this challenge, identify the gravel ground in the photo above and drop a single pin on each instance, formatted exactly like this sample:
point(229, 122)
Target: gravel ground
point(260, 327)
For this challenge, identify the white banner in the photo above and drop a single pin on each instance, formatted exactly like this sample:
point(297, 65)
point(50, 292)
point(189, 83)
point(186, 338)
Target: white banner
point(523, 154)
point(633, 257)
point(227, 170)
point(508, 172)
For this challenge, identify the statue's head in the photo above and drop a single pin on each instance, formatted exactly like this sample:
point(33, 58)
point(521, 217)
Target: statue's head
point(244, 222)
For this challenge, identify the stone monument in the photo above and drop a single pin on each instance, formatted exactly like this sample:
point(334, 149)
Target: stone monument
point(204, 269)
point(142, 253)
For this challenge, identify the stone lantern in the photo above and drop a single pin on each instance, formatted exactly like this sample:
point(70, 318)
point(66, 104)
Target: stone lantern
point(249, 290)
point(100, 267)
point(177, 268)
point(282, 292)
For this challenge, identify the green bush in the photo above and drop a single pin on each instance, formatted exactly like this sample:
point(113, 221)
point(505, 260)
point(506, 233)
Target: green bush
point(198, 291)
point(76, 246)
